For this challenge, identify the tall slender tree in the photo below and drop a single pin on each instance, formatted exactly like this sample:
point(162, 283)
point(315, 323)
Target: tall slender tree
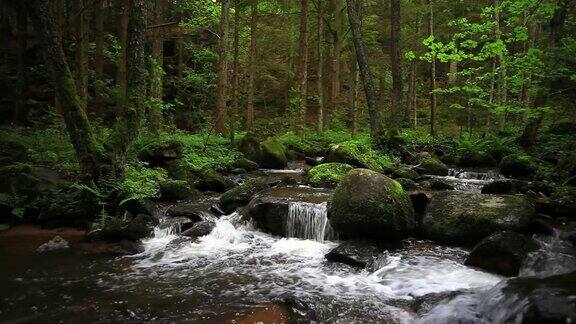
point(371, 98)
point(396, 111)
point(220, 113)
point(302, 71)
point(157, 70)
point(432, 71)
point(320, 65)
point(235, 70)
point(251, 65)
point(99, 12)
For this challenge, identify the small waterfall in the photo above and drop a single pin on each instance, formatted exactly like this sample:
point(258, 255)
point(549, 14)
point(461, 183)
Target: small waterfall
point(309, 221)
point(469, 175)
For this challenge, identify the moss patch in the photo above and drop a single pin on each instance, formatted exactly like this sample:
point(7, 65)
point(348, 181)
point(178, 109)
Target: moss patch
point(328, 174)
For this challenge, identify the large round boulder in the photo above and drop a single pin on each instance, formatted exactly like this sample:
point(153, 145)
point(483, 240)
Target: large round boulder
point(502, 253)
point(518, 166)
point(369, 205)
point(458, 217)
point(273, 154)
point(328, 174)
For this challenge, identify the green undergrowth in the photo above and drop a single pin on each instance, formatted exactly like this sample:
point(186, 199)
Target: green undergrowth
point(142, 182)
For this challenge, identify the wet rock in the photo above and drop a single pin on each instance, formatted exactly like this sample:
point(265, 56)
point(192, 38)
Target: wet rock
point(476, 159)
point(328, 174)
point(248, 165)
point(419, 201)
point(238, 171)
point(217, 210)
point(403, 172)
point(188, 210)
point(140, 207)
point(241, 195)
point(293, 155)
point(199, 229)
point(407, 184)
point(456, 217)
point(532, 300)
point(270, 214)
point(518, 166)
point(311, 161)
point(174, 190)
point(369, 205)
point(57, 243)
point(359, 254)
point(288, 180)
point(498, 187)
point(502, 253)
point(302, 311)
point(432, 166)
point(214, 181)
point(273, 154)
point(436, 184)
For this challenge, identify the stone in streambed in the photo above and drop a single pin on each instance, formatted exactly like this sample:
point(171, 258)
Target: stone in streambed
point(457, 217)
point(214, 181)
point(432, 166)
point(57, 243)
point(502, 253)
point(174, 190)
point(359, 254)
point(369, 205)
point(498, 187)
point(518, 166)
point(241, 195)
point(197, 230)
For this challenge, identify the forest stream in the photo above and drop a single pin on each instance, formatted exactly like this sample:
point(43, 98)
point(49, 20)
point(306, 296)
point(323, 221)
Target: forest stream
point(240, 274)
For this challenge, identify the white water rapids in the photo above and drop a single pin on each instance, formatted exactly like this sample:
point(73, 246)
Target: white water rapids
point(237, 262)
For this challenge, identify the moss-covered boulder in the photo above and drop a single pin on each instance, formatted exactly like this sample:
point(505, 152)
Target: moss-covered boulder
point(211, 180)
point(159, 152)
point(457, 217)
point(241, 195)
point(432, 166)
point(273, 154)
point(369, 205)
point(476, 159)
point(502, 253)
point(519, 166)
point(248, 165)
point(349, 153)
point(499, 187)
point(328, 174)
point(174, 190)
point(402, 172)
point(249, 145)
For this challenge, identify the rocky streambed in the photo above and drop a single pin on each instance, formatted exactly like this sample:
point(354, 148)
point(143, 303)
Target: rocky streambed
point(274, 256)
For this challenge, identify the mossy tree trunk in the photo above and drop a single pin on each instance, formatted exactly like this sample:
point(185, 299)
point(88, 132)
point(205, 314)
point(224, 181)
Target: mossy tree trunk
point(302, 71)
point(222, 83)
point(81, 43)
point(88, 152)
point(396, 111)
point(235, 70)
point(99, 13)
point(370, 92)
point(252, 66)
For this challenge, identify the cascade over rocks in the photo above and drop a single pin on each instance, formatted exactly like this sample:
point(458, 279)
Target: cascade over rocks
point(456, 217)
point(367, 204)
point(502, 253)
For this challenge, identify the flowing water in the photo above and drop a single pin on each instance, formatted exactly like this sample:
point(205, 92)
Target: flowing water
point(470, 180)
point(237, 272)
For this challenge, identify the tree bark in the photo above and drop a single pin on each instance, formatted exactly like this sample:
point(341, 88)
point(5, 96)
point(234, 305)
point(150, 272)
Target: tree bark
point(88, 152)
point(235, 70)
point(252, 66)
point(432, 72)
point(21, 86)
point(320, 68)
point(99, 53)
point(353, 94)
point(157, 75)
point(336, 53)
point(395, 60)
point(371, 98)
point(81, 41)
point(410, 104)
point(302, 73)
point(122, 64)
point(220, 113)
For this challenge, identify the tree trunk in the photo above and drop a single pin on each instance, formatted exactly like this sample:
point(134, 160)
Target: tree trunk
point(122, 64)
point(503, 73)
point(81, 41)
point(88, 152)
point(336, 53)
point(252, 66)
point(371, 98)
point(320, 66)
point(21, 86)
point(432, 73)
point(353, 94)
point(220, 113)
point(235, 71)
point(411, 93)
point(128, 126)
point(99, 53)
point(302, 73)
point(396, 110)
point(157, 75)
